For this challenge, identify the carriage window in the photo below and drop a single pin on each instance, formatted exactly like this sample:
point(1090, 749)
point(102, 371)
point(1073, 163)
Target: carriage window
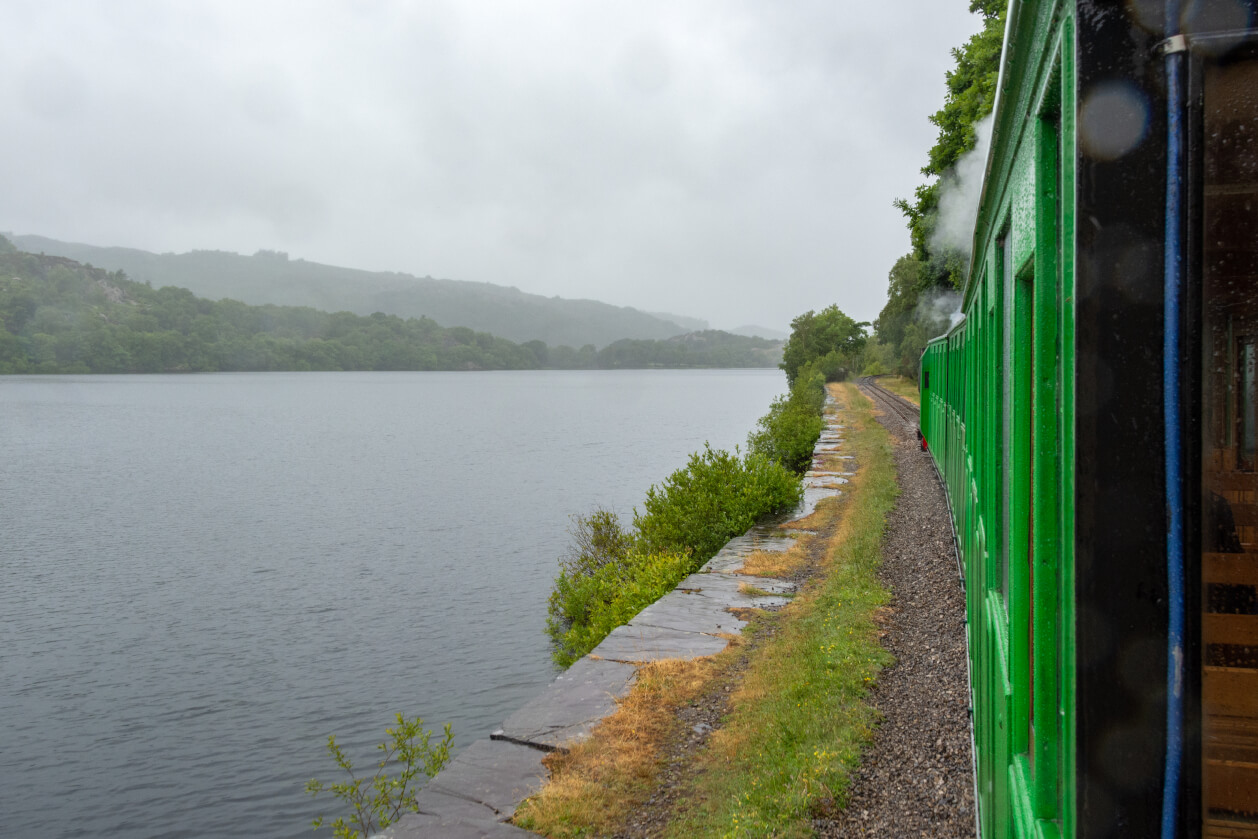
point(1229, 492)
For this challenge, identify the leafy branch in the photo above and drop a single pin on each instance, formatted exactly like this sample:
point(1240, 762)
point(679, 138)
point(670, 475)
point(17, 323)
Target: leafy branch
point(380, 799)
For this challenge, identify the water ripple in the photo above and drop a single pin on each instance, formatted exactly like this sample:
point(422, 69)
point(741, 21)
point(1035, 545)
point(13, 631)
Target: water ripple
point(207, 575)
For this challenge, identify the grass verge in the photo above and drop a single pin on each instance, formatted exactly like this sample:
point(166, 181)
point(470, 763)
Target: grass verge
point(800, 718)
point(901, 387)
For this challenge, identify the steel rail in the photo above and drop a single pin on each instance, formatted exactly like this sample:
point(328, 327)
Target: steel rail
point(901, 407)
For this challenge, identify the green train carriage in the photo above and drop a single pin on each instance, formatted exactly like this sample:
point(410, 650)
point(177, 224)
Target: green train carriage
point(1094, 416)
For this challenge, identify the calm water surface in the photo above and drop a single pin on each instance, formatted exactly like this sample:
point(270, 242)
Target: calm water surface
point(204, 576)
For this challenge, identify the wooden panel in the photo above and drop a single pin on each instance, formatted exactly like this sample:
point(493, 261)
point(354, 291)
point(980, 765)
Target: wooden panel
point(1229, 629)
point(1241, 569)
point(1232, 738)
point(1245, 515)
point(1232, 786)
point(1230, 829)
point(1232, 481)
point(1229, 690)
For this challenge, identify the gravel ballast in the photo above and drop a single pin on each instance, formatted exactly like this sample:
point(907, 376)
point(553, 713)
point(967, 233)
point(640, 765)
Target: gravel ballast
point(916, 779)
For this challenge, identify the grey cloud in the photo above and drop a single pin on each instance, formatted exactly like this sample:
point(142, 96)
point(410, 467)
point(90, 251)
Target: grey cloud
point(735, 161)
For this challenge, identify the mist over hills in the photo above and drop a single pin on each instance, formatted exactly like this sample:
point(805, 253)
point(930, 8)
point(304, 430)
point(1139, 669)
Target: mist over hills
point(752, 331)
point(58, 315)
point(270, 277)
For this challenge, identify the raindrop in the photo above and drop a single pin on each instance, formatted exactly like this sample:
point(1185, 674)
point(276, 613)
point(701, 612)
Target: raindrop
point(1114, 120)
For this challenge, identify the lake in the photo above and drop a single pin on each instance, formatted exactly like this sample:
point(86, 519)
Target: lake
point(206, 575)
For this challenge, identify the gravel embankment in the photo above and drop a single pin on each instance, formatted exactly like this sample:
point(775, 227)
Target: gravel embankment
point(916, 779)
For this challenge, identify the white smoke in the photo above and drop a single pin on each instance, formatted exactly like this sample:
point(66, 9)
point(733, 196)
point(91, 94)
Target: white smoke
point(961, 188)
point(938, 310)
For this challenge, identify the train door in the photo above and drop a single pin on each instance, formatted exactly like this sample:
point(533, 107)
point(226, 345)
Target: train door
point(1226, 93)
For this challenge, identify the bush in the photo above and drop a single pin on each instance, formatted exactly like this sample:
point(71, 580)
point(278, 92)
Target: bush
point(789, 432)
point(832, 366)
point(597, 541)
point(787, 435)
point(717, 496)
point(584, 608)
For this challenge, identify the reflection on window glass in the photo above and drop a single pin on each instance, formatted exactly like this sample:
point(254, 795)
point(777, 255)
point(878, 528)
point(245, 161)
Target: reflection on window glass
point(1245, 402)
point(1229, 492)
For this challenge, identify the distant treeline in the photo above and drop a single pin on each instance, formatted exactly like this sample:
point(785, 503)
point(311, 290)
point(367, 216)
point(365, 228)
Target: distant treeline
point(60, 316)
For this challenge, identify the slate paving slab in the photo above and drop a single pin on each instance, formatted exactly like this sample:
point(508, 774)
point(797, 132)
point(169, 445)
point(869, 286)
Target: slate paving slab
point(640, 644)
point(728, 587)
point(576, 701)
point(485, 781)
point(416, 826)
point(690, 612)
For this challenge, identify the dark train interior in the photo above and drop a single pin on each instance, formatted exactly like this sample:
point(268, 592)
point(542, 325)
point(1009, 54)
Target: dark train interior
point(1228, 567)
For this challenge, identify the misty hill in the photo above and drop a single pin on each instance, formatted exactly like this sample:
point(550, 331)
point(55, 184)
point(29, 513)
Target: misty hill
point(271, 277)
point(717, 348)
point(751, 330)
point(60, 316)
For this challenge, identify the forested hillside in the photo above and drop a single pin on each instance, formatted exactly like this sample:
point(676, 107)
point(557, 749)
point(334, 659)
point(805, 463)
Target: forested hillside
point(271, 277)
point(60, 316)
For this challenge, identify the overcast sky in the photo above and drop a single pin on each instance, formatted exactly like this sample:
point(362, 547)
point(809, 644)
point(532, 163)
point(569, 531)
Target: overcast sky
point(733, 160)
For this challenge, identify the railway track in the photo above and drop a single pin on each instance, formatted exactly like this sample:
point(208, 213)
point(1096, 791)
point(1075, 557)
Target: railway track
point(891, 402)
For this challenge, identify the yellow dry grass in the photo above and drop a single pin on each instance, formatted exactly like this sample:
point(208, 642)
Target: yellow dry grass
point(773, 563)
point(598, 782)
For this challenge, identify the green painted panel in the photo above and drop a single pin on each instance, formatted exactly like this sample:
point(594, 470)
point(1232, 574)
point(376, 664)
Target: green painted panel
point(1022, 211)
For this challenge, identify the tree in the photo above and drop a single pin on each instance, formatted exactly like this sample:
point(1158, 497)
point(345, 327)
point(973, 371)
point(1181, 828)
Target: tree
point(814, 335)
point(971, 96)
point(923, 274)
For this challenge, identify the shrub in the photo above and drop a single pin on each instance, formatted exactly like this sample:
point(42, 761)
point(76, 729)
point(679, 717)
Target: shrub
point(832, 366)
point(787, 435)
point(717, 496)
point(597, 540)
point(789, 432)
point(380, 800)
point(584, 608)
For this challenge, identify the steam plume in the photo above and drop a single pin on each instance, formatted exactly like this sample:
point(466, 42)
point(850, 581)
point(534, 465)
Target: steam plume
point(960, 190)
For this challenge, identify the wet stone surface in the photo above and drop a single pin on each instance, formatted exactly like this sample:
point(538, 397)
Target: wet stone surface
point(575, 702)
point(475, 793)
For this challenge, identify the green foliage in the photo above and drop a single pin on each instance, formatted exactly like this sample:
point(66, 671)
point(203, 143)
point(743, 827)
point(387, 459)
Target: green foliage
point(717, 496)
point(879, 359)
point(381, 799)
point(833, 366)
point(814, 335)
point(597, 541)
point(709, 348)
point(609, 575)
point(270, 277)
point(57, 316)
point(789, 432)
point(905, 283)
point(585, 607)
